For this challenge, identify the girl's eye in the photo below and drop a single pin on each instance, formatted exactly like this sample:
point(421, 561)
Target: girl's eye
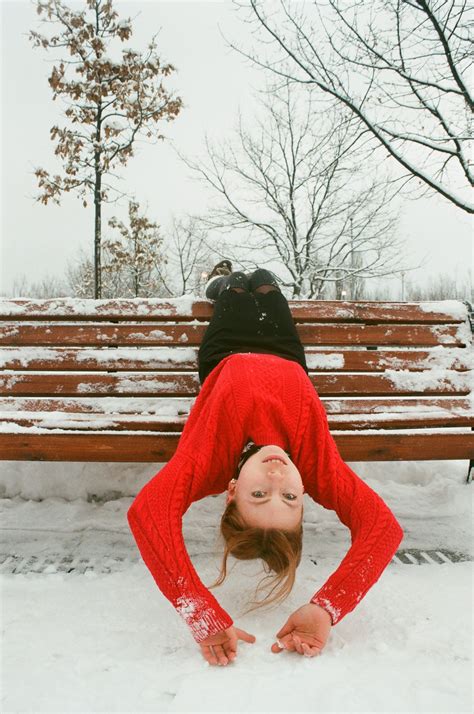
point(259, 494)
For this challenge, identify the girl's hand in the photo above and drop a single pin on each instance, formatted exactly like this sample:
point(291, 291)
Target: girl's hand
point(305, 631)
point(221, 648)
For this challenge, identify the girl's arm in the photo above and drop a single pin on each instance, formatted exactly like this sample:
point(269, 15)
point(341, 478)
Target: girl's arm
point(375, 532)
point(155, 519)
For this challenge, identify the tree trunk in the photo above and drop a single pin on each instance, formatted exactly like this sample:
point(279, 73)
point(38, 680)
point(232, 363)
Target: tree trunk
point(98, 207)
point(97, 237)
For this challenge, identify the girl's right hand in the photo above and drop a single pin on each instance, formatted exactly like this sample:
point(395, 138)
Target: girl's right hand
point(305, 631)
point(221, 648)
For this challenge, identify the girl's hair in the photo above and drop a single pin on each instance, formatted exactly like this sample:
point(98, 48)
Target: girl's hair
point(279, 549)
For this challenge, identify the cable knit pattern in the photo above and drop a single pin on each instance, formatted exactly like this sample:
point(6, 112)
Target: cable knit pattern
point(270, 400)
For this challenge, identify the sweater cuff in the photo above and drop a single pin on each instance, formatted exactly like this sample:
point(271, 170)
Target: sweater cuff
point(202, 620)
point(334, 612)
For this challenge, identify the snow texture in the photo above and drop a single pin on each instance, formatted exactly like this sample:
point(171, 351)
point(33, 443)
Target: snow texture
point(453, 308)
point(79, 306)
point(113, 643)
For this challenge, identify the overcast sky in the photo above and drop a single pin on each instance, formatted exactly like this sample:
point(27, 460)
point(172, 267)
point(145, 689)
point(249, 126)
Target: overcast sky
point(214, 82)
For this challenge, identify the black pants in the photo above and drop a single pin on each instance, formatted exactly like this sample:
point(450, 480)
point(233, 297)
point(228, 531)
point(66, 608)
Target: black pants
point(249, 322)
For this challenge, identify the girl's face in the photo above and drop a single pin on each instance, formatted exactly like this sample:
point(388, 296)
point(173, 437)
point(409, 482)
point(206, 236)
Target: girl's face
point(269, 493)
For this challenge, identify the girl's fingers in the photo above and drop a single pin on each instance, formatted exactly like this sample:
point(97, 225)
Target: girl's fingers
point(220, 654)
point(208, 654)
point(304, 648)
point(293, 642)
point(298, 644)
point(289, 642)
point(230, 651)
point(246, 636)
point(310, 651)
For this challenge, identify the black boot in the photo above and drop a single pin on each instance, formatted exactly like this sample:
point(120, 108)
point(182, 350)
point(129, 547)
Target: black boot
point(225, 282)
point(262, 277)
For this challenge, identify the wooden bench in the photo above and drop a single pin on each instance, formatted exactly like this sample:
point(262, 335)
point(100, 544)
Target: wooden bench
point(114, 380)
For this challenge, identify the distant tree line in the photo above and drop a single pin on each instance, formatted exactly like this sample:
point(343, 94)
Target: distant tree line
point(78, 282)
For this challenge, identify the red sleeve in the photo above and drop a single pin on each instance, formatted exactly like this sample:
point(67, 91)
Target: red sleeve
point(155, 519)
point(375, 532)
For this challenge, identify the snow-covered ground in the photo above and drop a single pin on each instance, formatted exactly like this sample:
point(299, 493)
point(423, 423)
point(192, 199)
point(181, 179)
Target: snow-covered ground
point(109, 641)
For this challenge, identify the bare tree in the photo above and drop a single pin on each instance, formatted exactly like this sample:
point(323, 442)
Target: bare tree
point(113, 102)
point(187, 257)
point(300, 188)
point(80, 276)
point(144, 261)
point(19, 287)
point(130, 260)
point(399, 66)
point(443, 286)
point(49, 286)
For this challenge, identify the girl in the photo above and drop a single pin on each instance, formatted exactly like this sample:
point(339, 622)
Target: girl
point(258, 420)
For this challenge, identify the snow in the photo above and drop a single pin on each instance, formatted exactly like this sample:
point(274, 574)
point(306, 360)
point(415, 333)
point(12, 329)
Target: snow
point(101, 642)
point(440, 356)
point(152, 335)
point(163, 406)
point(80, 306)
point(453, 308)
point(325, 360)
point(148, 356)
point(437, 378)
point(444, 337)
point(181, 305)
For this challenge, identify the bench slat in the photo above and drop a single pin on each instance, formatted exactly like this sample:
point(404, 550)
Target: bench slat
point(192, 334)
point(188, 308)
point(182, 384)
point(174, 406)
point(154, 448)
point(102, 422)
point(152, 359)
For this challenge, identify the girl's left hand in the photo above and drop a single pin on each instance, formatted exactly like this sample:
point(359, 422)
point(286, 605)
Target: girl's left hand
point(305, 631)
point(221, 648)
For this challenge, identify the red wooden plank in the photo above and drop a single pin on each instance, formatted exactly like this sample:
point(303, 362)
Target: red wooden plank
point(124, 405)
point(187, 308)
point(182, 384)
point(152, 359)
point(72, 422)
point(192, 334)
point(146, 448)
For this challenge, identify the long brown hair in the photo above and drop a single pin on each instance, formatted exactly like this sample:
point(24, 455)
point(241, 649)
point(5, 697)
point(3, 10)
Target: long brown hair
point(279, 549)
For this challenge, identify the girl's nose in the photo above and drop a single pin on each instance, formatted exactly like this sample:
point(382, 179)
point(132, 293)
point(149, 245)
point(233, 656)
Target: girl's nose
point(275, 470)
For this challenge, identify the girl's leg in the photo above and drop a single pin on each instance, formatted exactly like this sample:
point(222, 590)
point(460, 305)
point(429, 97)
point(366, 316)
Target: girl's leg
point(277, 326)
point(259, 320)
point(234, 319)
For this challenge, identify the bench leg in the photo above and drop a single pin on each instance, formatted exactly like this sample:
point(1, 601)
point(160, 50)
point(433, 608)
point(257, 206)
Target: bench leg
point(471, 467)
point(469, 473)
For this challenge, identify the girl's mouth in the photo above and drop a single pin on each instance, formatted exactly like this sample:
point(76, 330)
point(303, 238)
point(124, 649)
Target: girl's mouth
point(275, 457)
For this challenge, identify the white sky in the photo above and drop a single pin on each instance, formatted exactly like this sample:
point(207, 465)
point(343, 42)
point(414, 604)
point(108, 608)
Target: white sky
point(213, 81)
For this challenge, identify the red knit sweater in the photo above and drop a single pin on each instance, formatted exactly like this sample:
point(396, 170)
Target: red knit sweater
point(270, 400)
